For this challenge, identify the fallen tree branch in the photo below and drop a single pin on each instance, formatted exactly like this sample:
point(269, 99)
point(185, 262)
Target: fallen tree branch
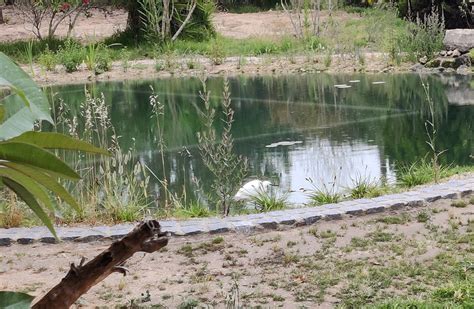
point(146, 237)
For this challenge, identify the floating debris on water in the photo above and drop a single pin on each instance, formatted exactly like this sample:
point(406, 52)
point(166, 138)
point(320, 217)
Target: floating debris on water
point(284, 143)
point(354, 81)
point(378, 83)
point(343, 86)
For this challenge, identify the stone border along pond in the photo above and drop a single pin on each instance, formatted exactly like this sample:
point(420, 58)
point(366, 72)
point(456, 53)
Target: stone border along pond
point(452, 189)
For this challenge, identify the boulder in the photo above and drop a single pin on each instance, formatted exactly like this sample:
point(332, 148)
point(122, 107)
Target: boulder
point(460, 39)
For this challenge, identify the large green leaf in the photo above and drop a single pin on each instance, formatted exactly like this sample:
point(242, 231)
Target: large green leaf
point(15, 300)
point(31, 103)
point(29, 184)
point(30, 200)
point(46, 180)
point(57, 141)
point(35, 156)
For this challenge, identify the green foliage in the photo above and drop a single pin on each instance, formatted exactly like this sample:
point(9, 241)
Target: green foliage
point(47, 60)
point(193, 209)
point(265, 202)
point(71, 55)
point(27, 167)
point(16, 49)
point(419, 173)
point(97, 58)
point(227, 168)
point(153, 20)
point(364, 187)
point(324, 194)
point(15, 300)
point(459, 204)
point(28, 106)
point(420, 37)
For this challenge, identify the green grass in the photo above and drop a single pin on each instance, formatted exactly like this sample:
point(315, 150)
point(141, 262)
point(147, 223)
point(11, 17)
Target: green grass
point(400, 219)
point(265, 202)
point(365, 188)
point(459, 204)
point(341, 36)
point(192, 210)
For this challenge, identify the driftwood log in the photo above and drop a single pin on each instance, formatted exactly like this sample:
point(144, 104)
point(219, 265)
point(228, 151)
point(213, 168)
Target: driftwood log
point(146, 237)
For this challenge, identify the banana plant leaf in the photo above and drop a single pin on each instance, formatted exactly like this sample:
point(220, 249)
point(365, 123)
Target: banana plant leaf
point(27, 104)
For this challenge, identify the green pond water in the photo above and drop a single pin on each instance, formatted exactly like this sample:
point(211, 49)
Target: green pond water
point(368, 130)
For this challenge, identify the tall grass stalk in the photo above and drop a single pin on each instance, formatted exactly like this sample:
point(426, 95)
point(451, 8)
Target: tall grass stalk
point(29, 55)
point(227, 168)
point(112, 189)
point(432, 134)
point(158, 114)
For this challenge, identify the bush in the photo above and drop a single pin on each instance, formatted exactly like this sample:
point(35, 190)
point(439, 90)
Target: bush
point(48, 60)
point(71, 55)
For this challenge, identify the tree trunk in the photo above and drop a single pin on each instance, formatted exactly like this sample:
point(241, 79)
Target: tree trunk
point(146, 237)
point(134, 23)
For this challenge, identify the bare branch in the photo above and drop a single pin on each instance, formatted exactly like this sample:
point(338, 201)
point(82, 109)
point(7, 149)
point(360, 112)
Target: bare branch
point(146, 237)
point(186, 20)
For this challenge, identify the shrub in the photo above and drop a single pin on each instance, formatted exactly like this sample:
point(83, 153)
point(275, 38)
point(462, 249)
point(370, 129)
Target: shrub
point(459, 204)
point(48, 60)
point(71, 55)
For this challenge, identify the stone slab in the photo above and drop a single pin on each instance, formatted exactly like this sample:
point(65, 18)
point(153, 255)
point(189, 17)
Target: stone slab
point(248, 223)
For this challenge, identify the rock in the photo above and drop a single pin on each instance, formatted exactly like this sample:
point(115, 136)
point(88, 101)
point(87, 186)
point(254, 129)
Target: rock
point(433, 63)
point(442, 53)
point(455, 63)
point(463, 60)
point(417, 67)
point(456, 53)
point(449, 53)
point(463, 70)
point(423, 60)
point(461, 39)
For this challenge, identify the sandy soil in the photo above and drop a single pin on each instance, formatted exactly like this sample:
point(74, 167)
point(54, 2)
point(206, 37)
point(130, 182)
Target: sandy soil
point(329, 263)
point(98, 26)
point(180, 67)
point(268, 24)
point(101, 24)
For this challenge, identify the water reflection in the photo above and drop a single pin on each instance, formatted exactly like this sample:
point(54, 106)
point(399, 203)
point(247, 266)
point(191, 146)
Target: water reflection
point(368, 130)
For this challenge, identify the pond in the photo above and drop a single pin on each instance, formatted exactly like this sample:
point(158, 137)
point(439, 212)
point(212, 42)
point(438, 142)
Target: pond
point(328, 128)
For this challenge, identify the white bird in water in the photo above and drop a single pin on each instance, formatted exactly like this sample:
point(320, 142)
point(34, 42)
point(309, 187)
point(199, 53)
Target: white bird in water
point(252, 189)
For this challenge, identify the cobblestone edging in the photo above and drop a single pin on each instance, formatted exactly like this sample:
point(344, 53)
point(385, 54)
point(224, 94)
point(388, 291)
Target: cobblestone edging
point(247, 223)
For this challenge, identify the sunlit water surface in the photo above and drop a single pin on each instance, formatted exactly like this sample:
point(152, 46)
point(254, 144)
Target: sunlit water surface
point(340, 134)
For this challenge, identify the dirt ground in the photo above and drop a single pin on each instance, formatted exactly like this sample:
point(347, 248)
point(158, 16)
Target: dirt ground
point(101, 24)
point(351, 262)
point(240, 26)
